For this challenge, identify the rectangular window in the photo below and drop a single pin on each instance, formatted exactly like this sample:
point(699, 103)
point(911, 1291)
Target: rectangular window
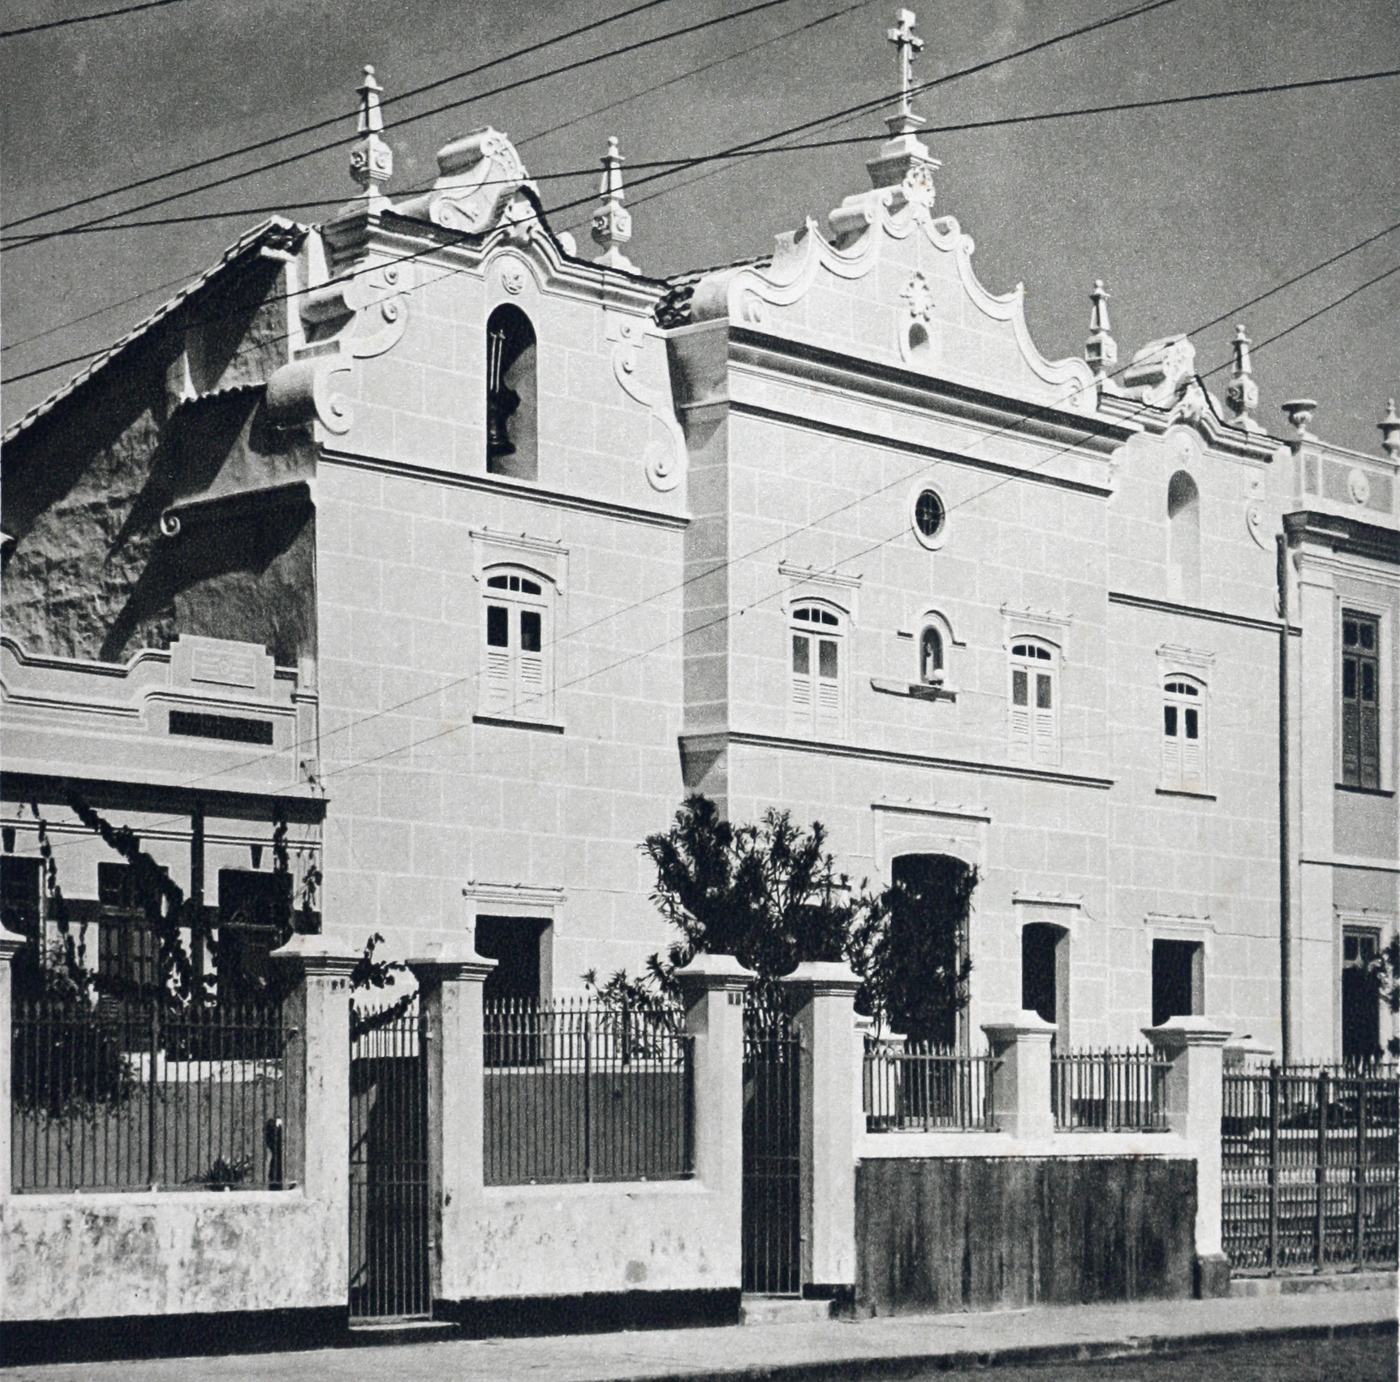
point(1361, 730)
point(1178, 980)
point(1361, 996)
point(1183, 743)
point(513, 678)
point(20, 893)
point(816, 684)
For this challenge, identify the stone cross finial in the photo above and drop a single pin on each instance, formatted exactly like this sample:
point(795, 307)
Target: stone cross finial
point(1242, 396)
point(612, 222)
point(1100, 350)
point(371, 159)
point(1389, 427)
point(907, 44)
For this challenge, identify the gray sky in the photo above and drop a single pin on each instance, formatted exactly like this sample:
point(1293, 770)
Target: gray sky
point(1184, 212)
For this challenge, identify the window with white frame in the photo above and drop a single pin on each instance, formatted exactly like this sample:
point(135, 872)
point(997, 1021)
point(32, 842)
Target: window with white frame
point(815, 698)
point(515, 679)
point(1035, 701)
point(1361, 678)
point(1183, 734)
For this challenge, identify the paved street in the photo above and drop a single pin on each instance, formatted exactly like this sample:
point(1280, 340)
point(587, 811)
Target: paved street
point(1235, 1339)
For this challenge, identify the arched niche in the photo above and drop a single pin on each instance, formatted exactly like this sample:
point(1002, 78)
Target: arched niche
point(512, 395)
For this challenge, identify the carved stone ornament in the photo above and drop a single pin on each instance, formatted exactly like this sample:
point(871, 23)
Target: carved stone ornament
point(664, 462)
point(513, 276)
point(1254, 523)
point(917, 186)
point(919, 298)
point(1359, 485)
point(481, 176)
point(1161, 370)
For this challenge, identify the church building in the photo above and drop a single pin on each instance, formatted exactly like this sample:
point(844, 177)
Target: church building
point(439, 558)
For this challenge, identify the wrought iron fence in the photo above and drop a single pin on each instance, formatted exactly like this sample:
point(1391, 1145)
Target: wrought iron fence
point(915, 1086)
point(137, 1096)
point(1109, 1091)
point(582, 1091)
point(1309, 1158)
point(771, 1205)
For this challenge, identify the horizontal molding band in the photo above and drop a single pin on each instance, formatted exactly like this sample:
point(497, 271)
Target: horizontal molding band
point(495, 484)
point(1213, 616)
point(715, 740)
point(903, 444)
point(1043, 421)
point(1354, 861)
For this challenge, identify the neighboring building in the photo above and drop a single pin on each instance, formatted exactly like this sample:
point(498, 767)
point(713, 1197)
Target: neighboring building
point(468, 558)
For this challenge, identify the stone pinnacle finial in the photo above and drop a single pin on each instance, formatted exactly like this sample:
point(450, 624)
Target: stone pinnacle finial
point(1242, 395)
point(371, 159)
point(1100, 350)
point(906, 43)
point(612, 222)
point(1389, 427)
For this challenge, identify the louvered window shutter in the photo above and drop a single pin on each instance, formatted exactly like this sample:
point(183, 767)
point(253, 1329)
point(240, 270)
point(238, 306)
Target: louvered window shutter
point(1020, 713)
point(1045, 747)
point(1191, 758)
point(496, 678)
point(531, 664)
point(828, 686)
point(1370, 726)
point(802, 676)
point(1171, 745)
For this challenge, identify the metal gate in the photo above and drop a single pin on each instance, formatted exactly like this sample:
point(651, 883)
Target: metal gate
point(772, 1204)
point(1309, 1169)
point(389, 1235)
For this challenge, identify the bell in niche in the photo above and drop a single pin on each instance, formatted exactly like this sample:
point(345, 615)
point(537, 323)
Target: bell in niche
point(501, 399)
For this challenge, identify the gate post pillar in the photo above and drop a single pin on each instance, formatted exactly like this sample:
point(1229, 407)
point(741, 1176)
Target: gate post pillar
point(1194, 1097)
point(318, 1092)
point(824, 1005)
point(450, 982)
point(1021, 1097)
point(712, 989)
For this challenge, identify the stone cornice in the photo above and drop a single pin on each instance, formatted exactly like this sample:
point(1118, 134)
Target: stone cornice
point(1214, 616)
point(496, 484)
point(713, 740)
point(815, 364)
point(1346, 536)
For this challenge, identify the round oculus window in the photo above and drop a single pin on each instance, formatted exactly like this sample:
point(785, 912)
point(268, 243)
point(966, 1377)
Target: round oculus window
point(930, 517)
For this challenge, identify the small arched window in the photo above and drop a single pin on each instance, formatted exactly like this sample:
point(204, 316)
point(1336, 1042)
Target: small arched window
point(1183, 735)
point(1035, 702)
point(515, 679)
point(1184, 518)
point(511, 395)
point(815, 698)
point(931, 667)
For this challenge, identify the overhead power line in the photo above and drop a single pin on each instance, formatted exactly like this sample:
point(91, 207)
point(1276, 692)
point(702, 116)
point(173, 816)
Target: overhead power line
point(611, 53)
point(685, 162)
point(86, 18)
point(745, 51)
point(334, 119)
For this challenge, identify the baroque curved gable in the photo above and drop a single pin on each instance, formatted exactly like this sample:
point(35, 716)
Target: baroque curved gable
point(895, 283)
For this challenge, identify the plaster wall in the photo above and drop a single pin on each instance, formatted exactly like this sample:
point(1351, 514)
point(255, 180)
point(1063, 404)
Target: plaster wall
point(69, 1257)
point(576, 1239)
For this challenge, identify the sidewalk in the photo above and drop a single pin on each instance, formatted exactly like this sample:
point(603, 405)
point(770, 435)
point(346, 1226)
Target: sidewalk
point(830, 1349)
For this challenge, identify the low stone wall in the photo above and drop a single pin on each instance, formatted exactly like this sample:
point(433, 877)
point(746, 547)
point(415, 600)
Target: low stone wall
point(969, 1234)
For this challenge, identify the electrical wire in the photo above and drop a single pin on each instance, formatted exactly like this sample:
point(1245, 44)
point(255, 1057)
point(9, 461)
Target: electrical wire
point(760, 5)
point(1032, 412)
point(86, 18)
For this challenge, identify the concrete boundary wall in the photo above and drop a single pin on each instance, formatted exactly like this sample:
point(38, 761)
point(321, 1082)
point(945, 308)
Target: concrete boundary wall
point(246, 1258)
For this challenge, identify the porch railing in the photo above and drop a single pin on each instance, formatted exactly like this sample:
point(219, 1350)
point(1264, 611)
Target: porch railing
point(1109, 1091)
point(917, 1087)
point(137, 1096)
point(580, 1091)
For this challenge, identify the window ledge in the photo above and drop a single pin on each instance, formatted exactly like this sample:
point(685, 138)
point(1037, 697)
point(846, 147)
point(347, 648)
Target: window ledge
point(1185, 792)
point(511, 722)
point(915, 690)
point(1364, 791)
